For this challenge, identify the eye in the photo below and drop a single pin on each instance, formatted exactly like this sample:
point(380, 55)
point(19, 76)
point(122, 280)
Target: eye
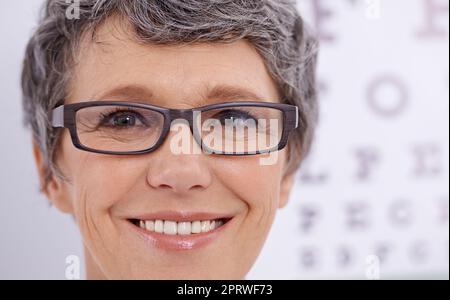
point(236, 116)
point(122, 119)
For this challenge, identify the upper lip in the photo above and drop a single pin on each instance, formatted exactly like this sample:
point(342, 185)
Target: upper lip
point(182, 216)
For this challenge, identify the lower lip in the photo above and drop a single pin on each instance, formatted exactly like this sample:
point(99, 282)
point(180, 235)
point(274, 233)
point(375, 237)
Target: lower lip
point(179, 242)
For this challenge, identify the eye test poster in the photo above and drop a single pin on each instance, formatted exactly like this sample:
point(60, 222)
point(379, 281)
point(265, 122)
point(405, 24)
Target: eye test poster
point(370, 202)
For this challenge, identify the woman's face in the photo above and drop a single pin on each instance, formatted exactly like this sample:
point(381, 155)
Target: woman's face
point(105, 192)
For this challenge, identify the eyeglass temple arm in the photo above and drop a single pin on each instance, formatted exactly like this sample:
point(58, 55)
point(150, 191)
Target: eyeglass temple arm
point(57, 116)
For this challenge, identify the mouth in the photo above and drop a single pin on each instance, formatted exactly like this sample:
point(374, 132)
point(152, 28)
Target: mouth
point(172, 227)
point(175, 231)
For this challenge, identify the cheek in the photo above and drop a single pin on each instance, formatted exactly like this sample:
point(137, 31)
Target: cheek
point(98, 181)
point(105, 179)
point(255, 184)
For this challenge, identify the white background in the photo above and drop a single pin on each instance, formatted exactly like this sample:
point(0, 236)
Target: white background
point(384, 81)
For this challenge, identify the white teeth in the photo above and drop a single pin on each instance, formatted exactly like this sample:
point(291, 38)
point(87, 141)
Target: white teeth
point(206, 226)
point(184, 228)
point(170, 227)
point(142, 224)
point(180, 228)
point(159, 226)
point(150, 225)
point(196, 227)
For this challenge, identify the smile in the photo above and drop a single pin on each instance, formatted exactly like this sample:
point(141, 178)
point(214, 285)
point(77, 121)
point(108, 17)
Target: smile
point(170, 227)
point(180, 231)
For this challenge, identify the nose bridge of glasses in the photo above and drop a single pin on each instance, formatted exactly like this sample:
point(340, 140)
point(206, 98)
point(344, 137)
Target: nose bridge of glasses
point(189, 115)
point(185, 114)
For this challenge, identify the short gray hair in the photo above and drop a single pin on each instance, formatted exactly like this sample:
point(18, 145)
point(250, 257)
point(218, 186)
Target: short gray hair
point(273, 27)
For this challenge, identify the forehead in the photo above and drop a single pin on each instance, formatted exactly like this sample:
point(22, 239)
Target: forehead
point(179, 74)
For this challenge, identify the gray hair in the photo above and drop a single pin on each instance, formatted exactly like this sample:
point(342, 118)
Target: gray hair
point(273, 27)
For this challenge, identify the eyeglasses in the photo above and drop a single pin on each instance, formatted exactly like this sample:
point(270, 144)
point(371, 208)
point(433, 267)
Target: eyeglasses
point(126, 128)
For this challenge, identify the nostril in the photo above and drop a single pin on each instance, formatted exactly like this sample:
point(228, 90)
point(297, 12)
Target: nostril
point(197, 187)
point(165, 186)
point(180, 174)
point(181, 188)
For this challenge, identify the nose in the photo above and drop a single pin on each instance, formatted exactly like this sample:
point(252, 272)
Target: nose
point(179, 173)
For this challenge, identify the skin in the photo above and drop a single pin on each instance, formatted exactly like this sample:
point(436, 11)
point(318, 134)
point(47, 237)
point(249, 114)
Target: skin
point(103, 190)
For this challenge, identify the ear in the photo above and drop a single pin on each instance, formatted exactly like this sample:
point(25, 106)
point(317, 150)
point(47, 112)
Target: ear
point(285, 189)
point(55, 189)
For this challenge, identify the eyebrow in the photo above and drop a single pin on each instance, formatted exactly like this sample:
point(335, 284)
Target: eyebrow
point(217, 94)
point(230, 93)
point(136, 92)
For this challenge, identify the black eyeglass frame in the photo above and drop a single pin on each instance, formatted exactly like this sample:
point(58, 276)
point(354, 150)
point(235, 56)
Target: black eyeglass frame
point(64, 116)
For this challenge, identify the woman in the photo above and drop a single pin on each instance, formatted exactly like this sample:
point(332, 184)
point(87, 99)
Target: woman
point(170, 130)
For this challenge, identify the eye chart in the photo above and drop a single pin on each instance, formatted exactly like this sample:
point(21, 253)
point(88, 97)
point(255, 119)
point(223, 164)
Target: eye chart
point(372, 200)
